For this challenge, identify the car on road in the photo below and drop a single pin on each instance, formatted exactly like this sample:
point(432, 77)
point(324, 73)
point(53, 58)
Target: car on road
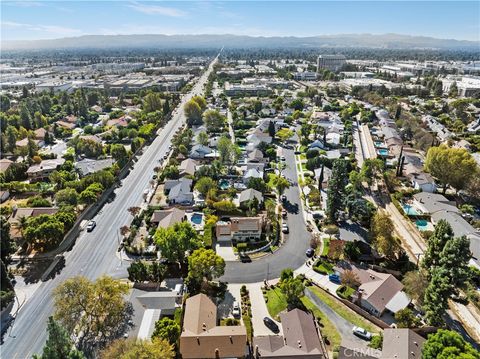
point(310, 252)
point(282, 158)
point(285, 228)
point(362, 333)
point(245, 258)
point(284, 214)
point(91, 225)
point(270, 324)
point(236, 310)
point(154, 177)
point(165, 157)
point(284, 198)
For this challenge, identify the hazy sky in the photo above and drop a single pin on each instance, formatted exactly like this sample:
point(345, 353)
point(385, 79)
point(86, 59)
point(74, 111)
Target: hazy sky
point(30, 20)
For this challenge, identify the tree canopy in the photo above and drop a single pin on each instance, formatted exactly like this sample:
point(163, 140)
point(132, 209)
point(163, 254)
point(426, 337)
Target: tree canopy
point(176, 240)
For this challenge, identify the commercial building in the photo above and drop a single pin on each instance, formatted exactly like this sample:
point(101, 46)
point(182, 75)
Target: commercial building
point(330, 62)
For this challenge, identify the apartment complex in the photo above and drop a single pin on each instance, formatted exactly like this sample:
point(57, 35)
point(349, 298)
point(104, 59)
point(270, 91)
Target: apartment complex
point(330, 62)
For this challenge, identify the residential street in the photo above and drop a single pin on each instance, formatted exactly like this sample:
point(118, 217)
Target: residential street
point(291, 254)
point(95, 253)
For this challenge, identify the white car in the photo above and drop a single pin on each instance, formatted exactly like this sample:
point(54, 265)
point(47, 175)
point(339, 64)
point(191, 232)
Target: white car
point(362, 333)
point(91, 225)
point(236, 310)
point(285, 228)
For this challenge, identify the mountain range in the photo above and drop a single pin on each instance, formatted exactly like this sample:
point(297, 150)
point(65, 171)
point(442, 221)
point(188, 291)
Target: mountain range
point(383, 41)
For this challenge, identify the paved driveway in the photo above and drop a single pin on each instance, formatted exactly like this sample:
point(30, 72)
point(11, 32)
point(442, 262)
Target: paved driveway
point(343, 326)
point(260, 311)
point(225, 251)
point(291, 254)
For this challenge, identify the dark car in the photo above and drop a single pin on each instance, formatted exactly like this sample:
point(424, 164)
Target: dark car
point(310, 252)
point(284, 198)
point(244, 258)
point(270, 324)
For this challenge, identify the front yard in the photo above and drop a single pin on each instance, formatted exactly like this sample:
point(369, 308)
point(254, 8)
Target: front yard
point(276, 302)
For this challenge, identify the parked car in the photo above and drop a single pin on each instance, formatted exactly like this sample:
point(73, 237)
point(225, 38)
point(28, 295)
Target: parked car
point(236, 310)
point(154, 177)
point(284, 198)
point(270, 324)
point(285, 228)
point(362, 333)
point(335, 278)
point(91, 225)
point(284, 214)
point(310, 252)
point(245, 258)
point(282, 158)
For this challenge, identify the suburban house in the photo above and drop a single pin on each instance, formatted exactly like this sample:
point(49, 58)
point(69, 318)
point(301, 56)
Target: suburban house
point(317, 144)
point(201, 336)
point(66, 125)
point(239, 229)
point(438, 207)
point(44, 169)
point(200, 151)
point(327, 173)
point(255, 156)
point(378, 292)
point(88, 166)
point(419, 179)
point(301, 339)
point(401, 343)
point(167, 217)
point(249, 194)
point(187, 167)
point(179, 191)
point(4, 165)
point(27, 212)
point(4, 195)
point(252, 173)
point(24, 142)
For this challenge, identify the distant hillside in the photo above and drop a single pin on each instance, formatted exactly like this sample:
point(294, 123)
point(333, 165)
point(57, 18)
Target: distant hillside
point(384, 41)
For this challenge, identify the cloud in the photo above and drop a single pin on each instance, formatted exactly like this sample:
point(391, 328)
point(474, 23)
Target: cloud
point(50, 29)
point(157, 10)
point(25, 3)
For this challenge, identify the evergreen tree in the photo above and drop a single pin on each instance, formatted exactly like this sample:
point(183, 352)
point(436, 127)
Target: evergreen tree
point(59, 345)
point(443, 232)
point(454, 260)
point(336, 189)
point(436, 297)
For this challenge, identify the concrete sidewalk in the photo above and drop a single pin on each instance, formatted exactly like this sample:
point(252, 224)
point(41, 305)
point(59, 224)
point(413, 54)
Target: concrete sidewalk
point(260, 311)
point(319, 279)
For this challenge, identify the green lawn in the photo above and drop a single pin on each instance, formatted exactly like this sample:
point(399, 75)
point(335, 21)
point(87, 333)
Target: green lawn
point(303, 156)
point(276, 302)
point(304, 167)
point(327, 328)
point(344, 311)
point(345, 292)
point(326, 246)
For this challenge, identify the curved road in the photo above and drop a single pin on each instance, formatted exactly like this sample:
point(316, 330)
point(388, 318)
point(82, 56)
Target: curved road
point(292, 253)
point(95, 253)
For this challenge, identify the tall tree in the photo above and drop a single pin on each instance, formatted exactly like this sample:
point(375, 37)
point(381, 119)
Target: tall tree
point(435, 244)
point(336, 189)
point(176, 240)
point(205, 264)
point(451, 166)
point(449, 345)
point(139, 349)
point(152, 102)
point(59, 344)
point(202, 138)
point(214, 121)
point(95, 312)
point(436, 297)
point(193, 112)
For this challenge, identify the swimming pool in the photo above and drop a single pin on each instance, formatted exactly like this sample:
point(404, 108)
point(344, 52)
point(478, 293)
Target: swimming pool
point(409, 210)
point(379, 144)
point(422, 224)
point(196, 218)
point(223, 184)
point(383, 152)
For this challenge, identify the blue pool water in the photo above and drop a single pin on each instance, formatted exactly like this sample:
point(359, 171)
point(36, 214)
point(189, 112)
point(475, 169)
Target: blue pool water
point(379, 144)
point(422, 224)
point(197, 218)
point(223, 184)
point(383, 152)
point(409, 210)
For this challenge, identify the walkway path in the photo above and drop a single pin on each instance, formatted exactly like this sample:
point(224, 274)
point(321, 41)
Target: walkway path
point(259, 310)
